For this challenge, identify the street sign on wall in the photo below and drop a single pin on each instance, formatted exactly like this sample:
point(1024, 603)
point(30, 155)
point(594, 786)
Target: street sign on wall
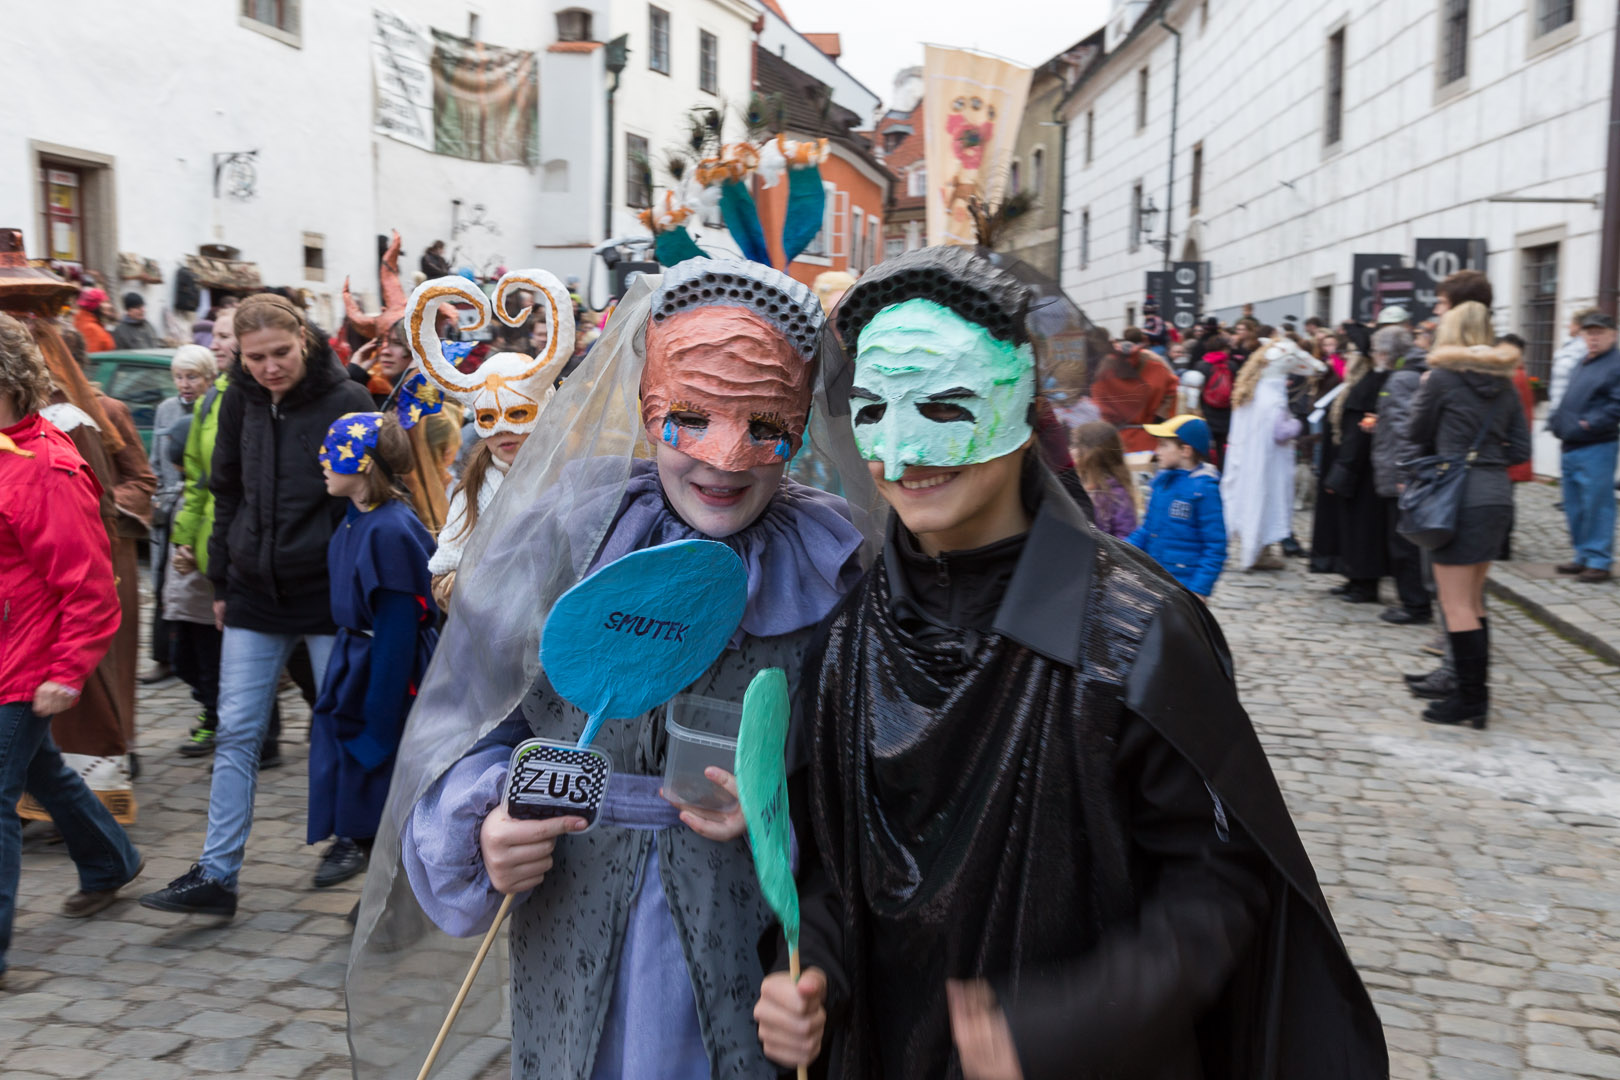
point(1364, 284)
point(1436, 260)
point(1179, 293)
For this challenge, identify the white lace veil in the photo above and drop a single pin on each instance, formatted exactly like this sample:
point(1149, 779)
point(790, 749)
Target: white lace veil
point(535, 541)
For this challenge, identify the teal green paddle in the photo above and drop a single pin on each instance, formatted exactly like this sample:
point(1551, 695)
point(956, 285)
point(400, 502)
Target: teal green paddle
point(762, 790)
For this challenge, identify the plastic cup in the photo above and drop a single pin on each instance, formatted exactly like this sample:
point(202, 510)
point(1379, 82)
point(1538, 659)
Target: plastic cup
point(702, 732)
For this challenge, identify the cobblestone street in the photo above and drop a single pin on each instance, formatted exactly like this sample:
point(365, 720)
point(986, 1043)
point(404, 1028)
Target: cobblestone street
point(1473, 874)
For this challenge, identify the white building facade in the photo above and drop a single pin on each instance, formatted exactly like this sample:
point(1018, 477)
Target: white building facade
point(246, 129)
point(1309, 131)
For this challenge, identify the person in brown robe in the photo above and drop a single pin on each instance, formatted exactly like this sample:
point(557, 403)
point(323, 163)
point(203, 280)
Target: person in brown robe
point(97, 736)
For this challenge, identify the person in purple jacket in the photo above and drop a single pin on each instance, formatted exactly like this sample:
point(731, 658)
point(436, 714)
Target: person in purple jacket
point(1185, 529)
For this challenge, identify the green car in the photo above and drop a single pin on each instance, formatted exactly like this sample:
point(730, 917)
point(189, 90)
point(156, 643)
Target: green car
point(139, 378)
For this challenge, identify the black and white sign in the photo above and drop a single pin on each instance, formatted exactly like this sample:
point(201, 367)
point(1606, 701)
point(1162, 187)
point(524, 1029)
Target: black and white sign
point(1364, 284)
point(1397, 286)
point(1186, 296)
point(551, 779)
point(1436, 260)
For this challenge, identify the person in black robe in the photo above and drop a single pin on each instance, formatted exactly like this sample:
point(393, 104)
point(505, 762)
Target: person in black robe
point(1038, 834)
point(1363, 524)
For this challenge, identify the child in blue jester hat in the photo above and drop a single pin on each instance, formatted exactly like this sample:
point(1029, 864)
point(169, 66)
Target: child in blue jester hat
point(1184, 528)
point(383, 605)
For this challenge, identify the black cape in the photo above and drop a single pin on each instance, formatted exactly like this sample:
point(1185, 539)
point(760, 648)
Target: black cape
point(1363, 518)
point(965, 811)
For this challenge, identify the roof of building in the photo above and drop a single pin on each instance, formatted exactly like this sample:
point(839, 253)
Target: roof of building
point(1149, 17)
point(776, 9)
point(827, 43)
point(808, 107)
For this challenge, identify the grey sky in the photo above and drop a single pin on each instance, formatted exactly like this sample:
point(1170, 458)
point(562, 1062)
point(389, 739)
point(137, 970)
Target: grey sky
point(882, 36)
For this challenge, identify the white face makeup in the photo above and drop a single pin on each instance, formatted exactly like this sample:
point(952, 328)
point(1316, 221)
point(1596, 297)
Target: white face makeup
point(932, 388)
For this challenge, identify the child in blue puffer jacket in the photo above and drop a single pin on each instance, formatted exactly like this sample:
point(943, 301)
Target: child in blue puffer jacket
point(1184, 529)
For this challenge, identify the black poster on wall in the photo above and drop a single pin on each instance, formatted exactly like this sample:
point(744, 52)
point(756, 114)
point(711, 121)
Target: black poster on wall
point(1436, 260)
point(1364, 283)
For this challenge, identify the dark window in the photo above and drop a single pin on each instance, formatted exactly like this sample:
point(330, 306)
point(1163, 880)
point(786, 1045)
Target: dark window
point(638, 172)
point(1540, 278)
point(1324, 304)
point(1551, 14)
point(574, 25)
point(1091, 127)
point(473, 24)
point(1203, 16)
point(1333, 121)
point(1013, 179)
point(278, 14)
point(1197, 179)
point(1037, 171)
point(708, 62)
point(658, 36)
point(1085, 238)
point(1453, 41)
point(314, 258)
point(1141, 98)
point(1136, 216)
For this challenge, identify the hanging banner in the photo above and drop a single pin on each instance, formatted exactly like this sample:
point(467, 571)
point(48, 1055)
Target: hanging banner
point(402, 74)
point(1436, 260)
point(973, 105)
point(1364, 284)
point(486, 101)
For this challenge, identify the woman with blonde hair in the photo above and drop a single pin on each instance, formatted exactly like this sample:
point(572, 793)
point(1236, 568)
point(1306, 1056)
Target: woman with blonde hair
point(1466, 407)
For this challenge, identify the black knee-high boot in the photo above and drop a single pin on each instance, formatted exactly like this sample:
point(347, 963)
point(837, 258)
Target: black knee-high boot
point(1470, 702)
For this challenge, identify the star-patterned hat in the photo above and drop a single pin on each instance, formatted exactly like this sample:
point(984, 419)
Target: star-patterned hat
point(417, 398)
point(350, 442)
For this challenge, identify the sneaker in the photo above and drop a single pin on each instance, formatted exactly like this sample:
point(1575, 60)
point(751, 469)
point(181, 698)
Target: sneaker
point(155, 674)
point(194, 893)
point(1291, 547)
point(1593, 576)
point(342, 861)
point(1437, 684)
point(1399, 616)
point(1570, 568)
point(82, 905)
point(200, 744)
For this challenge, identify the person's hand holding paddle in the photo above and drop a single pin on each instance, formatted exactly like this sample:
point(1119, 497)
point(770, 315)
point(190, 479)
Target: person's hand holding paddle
point(518, 853)
point(792, 1017)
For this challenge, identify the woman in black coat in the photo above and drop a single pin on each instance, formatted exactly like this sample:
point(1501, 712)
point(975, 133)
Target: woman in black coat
point(1468, 395)
point(1362, 549)
point(273, 520)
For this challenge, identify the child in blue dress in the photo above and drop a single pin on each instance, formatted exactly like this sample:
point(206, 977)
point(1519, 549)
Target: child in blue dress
point(382, 603)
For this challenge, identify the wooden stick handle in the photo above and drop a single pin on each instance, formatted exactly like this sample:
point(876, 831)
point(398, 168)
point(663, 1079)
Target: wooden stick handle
point(466, 985)
point(793, 973)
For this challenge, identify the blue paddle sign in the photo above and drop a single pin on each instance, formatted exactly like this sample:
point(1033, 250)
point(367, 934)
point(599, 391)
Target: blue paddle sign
point(641, 629)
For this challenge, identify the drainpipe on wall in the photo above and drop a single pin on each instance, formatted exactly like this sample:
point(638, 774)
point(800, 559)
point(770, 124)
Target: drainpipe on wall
point(1609, 270)
point(1175, 101)
point(616, 58)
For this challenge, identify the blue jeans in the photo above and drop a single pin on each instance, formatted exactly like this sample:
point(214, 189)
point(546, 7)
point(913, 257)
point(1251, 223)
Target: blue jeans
point(98, 845)
point(250, 664)
point(1588, 483)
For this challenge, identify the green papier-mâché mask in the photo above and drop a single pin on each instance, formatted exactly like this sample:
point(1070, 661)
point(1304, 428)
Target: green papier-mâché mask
point(933, 388)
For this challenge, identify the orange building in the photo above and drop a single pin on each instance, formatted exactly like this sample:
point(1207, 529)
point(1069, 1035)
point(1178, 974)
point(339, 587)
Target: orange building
point(857, 183)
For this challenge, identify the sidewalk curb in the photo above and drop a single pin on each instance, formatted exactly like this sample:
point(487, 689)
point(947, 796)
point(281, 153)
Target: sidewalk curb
point(1497, 585)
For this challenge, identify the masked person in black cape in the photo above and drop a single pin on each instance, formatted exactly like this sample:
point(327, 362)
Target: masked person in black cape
point(1039, 837)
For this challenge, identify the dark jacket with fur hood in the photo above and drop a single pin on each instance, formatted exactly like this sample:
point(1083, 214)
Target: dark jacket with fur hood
point(272, 515)
point(1466, 388)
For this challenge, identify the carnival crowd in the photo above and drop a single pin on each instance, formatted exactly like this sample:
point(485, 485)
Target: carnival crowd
point(1019, 535)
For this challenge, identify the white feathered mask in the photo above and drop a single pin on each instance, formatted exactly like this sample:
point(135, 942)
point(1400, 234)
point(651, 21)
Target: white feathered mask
point(509, 390)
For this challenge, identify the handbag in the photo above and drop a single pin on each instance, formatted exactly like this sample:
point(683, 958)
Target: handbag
point(1434, 491)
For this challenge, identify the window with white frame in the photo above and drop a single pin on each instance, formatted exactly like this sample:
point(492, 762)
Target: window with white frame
point(1552, 14)
point(274, 18)
point(1135, 238)
point(875, 244)
point(1141, 99)
point(857, 236)
point(1091, 127)
point(314, 257)
point(708, 62)
point(574, 24)
point(917, 182)
point(658, 39)
point(1453, 60)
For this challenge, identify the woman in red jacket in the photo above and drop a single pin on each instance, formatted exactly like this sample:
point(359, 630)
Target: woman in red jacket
point(60, 614)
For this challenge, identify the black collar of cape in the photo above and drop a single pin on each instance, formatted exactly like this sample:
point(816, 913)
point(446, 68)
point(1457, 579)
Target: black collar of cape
point(1042, 610)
